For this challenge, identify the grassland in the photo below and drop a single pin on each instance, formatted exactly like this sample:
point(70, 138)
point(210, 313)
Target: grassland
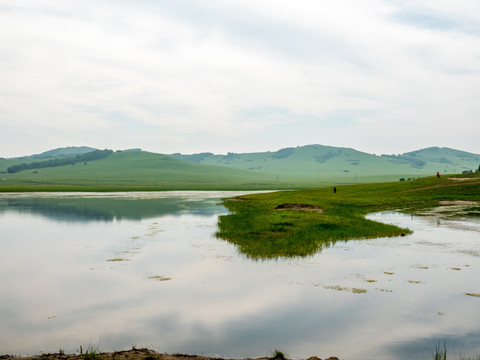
point(343, 165)
point(290, 168)
point(300, 223)
point(133, 171)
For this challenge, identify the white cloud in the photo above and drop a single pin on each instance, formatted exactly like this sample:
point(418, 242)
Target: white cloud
point(205, 76)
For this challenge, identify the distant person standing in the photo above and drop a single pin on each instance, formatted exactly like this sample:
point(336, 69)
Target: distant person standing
point(334, 190)
point(438, 174)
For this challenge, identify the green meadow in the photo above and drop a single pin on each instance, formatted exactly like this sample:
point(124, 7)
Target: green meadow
point(338, 165)
point(130, 171)
point(145, 171)
point(300, 223)
point(87, 169)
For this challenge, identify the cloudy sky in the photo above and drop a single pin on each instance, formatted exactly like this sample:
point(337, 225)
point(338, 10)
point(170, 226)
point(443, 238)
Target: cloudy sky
point(380, 76)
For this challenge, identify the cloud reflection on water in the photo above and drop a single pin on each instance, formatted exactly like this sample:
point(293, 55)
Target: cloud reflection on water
point(59, 290)
point(72, 207)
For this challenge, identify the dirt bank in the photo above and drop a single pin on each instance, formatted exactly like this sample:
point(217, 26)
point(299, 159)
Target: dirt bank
point(301, 207)
point(134, 354)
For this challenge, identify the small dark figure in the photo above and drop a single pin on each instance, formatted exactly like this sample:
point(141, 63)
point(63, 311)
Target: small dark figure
point(334, 190)
point(438, 174)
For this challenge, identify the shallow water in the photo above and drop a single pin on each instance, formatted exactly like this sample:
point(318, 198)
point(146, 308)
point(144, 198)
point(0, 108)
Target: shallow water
point(144, 269)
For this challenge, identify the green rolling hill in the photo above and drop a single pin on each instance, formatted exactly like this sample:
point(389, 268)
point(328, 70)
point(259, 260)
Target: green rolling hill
point(62, 152)
point(344, 165)
point(130, 170)
point(307, 166)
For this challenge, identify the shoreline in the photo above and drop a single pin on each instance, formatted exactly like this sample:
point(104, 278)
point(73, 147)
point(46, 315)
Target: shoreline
point(137, 354)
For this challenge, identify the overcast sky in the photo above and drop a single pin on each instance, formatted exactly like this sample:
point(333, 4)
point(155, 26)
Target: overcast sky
point(380, 76)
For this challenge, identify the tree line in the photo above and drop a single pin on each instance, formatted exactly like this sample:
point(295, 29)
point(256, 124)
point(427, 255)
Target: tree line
point(90, 156)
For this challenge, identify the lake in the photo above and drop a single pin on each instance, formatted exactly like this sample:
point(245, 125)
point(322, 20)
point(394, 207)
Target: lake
point(116, 270)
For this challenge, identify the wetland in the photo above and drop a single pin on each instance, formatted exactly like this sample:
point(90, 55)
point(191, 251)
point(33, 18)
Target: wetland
point(123, 270)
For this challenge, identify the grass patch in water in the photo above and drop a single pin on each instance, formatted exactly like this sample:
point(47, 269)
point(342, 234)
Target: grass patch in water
point(384, 290)
point(261, 231)
point(117, 259)
point(358, 291)
point(335, 287)
point(473, 294)
point(340, 288)
point(160, 278)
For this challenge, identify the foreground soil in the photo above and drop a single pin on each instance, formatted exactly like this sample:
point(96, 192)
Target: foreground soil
point(134, 354)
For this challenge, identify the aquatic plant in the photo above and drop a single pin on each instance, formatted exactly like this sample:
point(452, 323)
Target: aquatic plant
point(117, 259)
point(160, 278)
point(340, 288)
point(440, 354)
point(278, 355)
point(92, 353)
point(473, 294)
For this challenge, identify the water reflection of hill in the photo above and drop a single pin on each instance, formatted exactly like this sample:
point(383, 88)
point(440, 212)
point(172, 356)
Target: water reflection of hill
point(81, 209)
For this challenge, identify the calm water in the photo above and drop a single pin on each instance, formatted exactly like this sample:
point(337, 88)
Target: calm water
point(145, 270)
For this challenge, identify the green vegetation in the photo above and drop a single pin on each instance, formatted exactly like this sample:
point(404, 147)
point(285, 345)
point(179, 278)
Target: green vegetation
point(269, 226)
point(441, 354)
point(160, 277)
point(473, 294)
point(278, 355)
point(341, 288)
point(134, 170)
point(91, 156)
point(70, 151)
point(92, 353)
point(73, 169)
point(343, 165)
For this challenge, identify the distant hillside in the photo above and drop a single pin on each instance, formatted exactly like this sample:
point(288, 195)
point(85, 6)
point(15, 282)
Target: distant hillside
point(135, 169)
point(70, 151)
point(305, 166)
point(60, 161)
point(443, 156)
point(317, 161)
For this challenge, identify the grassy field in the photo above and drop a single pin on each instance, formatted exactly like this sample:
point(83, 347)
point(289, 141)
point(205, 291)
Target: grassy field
point(144, 171)
point(290, 168)
point(343, 165)
point(300, 223)
point(129, 171)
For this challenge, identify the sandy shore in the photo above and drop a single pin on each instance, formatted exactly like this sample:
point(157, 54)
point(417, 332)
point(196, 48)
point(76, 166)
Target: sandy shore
point(134, 354)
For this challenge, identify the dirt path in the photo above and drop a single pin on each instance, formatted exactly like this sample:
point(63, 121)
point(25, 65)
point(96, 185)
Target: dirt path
point(454, 182)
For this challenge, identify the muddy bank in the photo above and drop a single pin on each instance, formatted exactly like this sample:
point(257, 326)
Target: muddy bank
point(134, 354)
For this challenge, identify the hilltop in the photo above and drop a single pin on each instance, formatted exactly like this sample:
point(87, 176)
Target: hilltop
point(58, 153)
